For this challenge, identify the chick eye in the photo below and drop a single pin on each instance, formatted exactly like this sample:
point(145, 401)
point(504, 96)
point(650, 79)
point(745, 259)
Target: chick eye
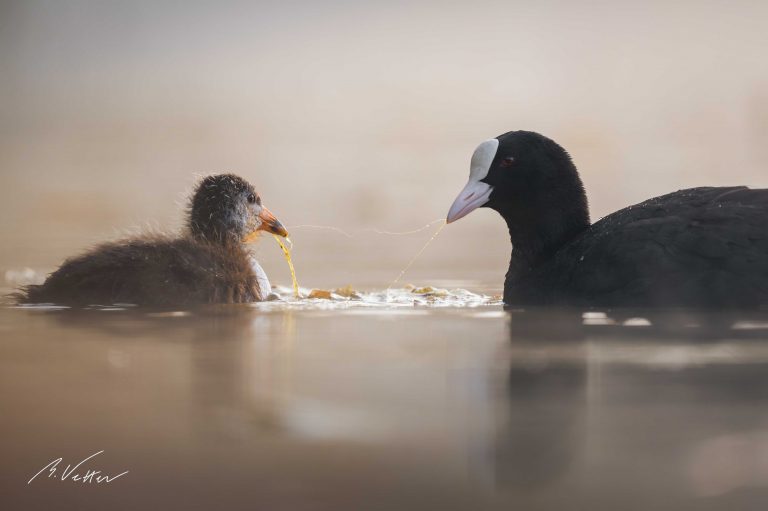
point(251, 199)
point(507, 162)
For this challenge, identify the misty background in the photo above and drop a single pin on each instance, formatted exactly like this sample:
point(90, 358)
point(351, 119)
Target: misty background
point(361, 115)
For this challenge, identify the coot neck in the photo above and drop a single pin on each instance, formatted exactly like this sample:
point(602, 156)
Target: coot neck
point(538, 233)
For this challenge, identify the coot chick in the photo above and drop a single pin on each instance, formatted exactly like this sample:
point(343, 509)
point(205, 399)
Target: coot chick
point(701, 248)
point(209, 263)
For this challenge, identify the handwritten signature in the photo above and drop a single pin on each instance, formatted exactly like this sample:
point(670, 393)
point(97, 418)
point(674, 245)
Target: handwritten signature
point(90, 476)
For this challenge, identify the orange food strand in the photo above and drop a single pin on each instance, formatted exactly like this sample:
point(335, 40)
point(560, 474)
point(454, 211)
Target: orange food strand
point(287, 254)
point(367, 229)
point(408, 267)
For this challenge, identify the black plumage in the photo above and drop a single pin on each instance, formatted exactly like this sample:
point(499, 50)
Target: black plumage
point(702, 247)
point(209, 263)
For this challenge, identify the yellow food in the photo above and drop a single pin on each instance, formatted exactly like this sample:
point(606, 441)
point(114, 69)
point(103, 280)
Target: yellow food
point(430, 292)
point(346, 292)
point(287, 254)
point(323, 294)
point(410, 263)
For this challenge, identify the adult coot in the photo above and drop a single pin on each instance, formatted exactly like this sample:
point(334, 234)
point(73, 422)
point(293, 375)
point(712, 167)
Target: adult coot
point(209, 263)
point(702, 247)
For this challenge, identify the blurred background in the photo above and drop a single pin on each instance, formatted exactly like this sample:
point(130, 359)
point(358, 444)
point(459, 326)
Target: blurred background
point(360, 114)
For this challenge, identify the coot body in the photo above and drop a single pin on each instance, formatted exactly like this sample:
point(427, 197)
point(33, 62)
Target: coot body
point(209, 263)
point(702, 247)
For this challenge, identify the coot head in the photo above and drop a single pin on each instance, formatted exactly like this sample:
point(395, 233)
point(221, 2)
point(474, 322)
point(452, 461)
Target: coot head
point(226, 209)
point(532, 182)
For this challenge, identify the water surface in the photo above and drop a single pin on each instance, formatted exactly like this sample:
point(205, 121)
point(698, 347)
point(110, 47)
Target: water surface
point(354, 404)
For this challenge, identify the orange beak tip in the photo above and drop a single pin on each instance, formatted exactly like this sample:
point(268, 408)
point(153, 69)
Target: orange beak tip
point(271, 224)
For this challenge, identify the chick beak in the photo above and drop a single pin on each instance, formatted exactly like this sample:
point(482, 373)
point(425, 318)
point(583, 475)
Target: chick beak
point(271, 224)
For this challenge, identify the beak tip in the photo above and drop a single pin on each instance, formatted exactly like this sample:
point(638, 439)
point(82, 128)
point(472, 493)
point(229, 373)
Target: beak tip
point(474, 195)
point(455, 213)
point(279, 229)
point(271, 224)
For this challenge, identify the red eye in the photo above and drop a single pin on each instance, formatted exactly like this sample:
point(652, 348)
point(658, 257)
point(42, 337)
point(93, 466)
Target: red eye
point(507, 162)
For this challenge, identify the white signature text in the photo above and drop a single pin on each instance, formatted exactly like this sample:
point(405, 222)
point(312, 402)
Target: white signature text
point(76, 474)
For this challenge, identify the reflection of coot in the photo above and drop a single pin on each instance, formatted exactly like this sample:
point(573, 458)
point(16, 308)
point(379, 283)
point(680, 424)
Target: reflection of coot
point(208, 265)
point(703, 247)
point(541, 435)
point(543, 432)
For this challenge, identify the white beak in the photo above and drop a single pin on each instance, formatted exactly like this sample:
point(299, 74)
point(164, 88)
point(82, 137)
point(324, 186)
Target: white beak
point(474, 195)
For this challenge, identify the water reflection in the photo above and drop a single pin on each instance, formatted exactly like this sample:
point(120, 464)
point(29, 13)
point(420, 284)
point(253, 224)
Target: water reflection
point(543, 432)
point(419, 406)
point(669, 410)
